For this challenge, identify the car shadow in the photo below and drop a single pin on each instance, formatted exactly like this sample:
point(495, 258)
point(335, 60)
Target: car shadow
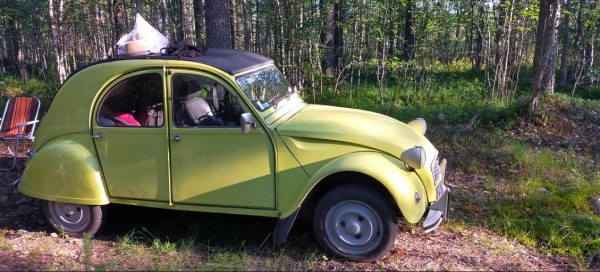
point(209, 232)
point(18, 211)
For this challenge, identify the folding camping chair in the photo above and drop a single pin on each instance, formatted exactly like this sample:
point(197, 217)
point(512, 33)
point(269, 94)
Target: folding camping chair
point(18, 123)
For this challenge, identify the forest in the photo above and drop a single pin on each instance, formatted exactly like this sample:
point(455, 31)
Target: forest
point(510, 90)
point(325, 44)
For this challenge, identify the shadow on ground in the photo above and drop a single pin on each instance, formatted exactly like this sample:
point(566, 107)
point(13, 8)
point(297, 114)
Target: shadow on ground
point(23, 214)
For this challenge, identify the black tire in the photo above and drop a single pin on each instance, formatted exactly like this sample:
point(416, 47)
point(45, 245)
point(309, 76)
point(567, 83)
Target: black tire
point(355, 222)
point(74, 220)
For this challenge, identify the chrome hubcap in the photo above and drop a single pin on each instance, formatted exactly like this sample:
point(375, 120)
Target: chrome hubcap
point(70, 217)
point(353, 227)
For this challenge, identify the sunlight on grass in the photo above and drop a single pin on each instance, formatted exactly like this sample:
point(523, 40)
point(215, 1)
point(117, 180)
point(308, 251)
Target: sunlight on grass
point(535, 194)
point(547, 205)
point(154, 252)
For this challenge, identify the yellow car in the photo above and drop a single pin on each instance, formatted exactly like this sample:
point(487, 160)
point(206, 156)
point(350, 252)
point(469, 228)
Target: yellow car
point(226, 133)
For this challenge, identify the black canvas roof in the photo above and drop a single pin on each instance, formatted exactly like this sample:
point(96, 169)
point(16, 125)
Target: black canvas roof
point(233, 61)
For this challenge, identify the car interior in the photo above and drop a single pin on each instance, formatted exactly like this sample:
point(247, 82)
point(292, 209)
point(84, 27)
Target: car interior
point(197, 102)
point(201, 101)
point(135, 101)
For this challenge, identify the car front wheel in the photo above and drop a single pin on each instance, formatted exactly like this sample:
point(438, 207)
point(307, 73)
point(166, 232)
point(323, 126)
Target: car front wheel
point(355, 222)
point(73, 219)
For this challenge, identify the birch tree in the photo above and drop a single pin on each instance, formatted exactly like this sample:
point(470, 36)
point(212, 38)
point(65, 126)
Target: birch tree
point(546, 49)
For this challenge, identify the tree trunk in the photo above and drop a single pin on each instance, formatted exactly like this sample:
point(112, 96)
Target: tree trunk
point(247, 24)
point(332, 38)
point(257, 27)
point(117, 20)
point(165, 17)
point(55, 24)
point(19, 57)
point(588, 55)
point(577, 43)
point(181, 26)
point(338, 38)
point(479, 39)
point(546, 49)
point(501, 50)
point(185, 29)
point(382, 61)
point(218, 23)
point(199, 22)
point(408, 46)
point(138, 6)
point(565, 47)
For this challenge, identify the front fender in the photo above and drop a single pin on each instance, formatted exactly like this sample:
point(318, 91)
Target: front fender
point(64, 171)
point(387, 170)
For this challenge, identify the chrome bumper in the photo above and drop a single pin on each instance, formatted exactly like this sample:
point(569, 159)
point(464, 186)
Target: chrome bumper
point(438, 211)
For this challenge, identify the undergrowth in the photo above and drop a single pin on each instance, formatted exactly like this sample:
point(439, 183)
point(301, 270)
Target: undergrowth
point(536, 189)
point(12, 86)
point(529, 189)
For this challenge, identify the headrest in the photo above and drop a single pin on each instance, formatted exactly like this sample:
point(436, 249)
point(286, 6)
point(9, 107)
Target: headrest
point(196, 94)
point(195, 90)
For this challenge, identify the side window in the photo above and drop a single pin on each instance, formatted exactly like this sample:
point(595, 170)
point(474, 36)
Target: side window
point(133, 102)
point(203, 102)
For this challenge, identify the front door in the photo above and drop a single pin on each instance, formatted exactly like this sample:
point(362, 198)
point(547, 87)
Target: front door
point(130, 137)
point(212, 162)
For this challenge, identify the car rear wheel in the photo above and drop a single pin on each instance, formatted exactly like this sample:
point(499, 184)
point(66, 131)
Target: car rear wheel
point(73, 219)
point(355, 222)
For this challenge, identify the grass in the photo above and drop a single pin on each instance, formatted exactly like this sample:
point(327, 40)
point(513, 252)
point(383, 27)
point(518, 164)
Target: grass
point(88, 251)
point(539, 194)
point(534, 190)
point(548, 204)
point(4, 245)
point(155, 247)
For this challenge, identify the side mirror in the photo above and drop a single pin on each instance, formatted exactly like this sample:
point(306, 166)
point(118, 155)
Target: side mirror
point(247, 122)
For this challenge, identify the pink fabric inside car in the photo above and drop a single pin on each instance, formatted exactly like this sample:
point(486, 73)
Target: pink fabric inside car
point(125, 119)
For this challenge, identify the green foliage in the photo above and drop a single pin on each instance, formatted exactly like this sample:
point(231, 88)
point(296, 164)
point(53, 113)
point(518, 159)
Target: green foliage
point(4, 245)
point(442, 94)
point(536, 194)
point(539, 196)
point(12, 86)
point(88, 251)
point(542, 196)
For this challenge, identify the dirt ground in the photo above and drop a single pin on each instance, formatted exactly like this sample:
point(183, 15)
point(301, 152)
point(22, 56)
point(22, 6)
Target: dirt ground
point(28, 243)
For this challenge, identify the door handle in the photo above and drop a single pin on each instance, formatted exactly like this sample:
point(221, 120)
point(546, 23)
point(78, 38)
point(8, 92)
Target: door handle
point(176, 138)
point(97, 136)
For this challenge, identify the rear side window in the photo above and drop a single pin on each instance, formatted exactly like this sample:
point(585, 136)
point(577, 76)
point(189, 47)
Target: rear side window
point(134, 102)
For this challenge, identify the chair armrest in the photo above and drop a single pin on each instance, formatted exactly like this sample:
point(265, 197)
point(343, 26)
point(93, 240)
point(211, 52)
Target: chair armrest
point(27, 123)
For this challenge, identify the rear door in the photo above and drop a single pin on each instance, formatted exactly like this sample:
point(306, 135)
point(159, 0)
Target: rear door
point(131, 137)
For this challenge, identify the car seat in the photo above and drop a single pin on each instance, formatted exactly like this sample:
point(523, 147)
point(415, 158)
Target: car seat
point(152, 116)
point(200, 112)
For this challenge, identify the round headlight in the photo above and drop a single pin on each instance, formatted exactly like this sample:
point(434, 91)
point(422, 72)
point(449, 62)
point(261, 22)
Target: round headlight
point(414, 157)
point(419, 125)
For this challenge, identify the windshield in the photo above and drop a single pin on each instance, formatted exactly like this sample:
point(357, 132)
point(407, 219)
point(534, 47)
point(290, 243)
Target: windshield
point(266, 88)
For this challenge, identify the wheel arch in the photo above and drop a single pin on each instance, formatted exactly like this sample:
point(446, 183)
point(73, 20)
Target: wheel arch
point(343, 178)
point(65, 170)
point(380, 171)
